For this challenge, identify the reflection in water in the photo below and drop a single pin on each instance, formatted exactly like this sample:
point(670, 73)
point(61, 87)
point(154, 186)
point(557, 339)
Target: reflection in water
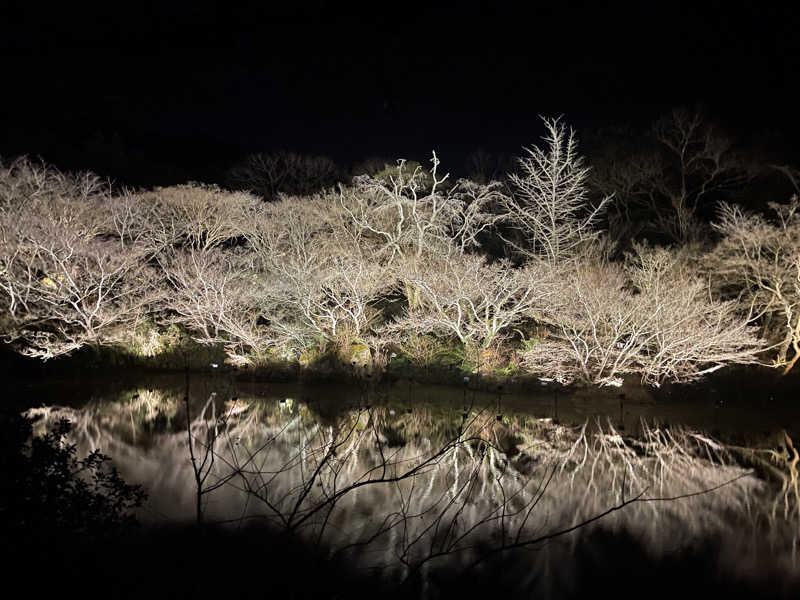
point(405, 490)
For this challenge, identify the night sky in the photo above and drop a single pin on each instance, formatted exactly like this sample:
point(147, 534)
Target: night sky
point(155, 95)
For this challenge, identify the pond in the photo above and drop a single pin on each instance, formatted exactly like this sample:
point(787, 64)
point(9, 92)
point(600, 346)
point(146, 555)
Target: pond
point(404, 479)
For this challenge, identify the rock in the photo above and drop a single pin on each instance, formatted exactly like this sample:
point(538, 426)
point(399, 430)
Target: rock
point(358, 355)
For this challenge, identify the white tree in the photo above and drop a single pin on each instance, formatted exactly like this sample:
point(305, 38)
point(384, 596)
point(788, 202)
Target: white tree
point(219, 297)
point(549, 210)
point(758, 262)
point(473, 299)
point(655, 321)
point(415, 212)
point(321, 273)
point(65, 282)
point(191, 215)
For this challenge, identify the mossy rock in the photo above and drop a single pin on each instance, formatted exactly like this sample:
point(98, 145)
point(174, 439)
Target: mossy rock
point(358, 355)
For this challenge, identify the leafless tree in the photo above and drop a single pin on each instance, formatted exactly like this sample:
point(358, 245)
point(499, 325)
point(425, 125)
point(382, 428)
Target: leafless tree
point(221, 299)
point(415, 212)
point(336, 296)
point(204, 438)
point(628, 174)
point(549, 210)
point(484, 167)
point(372, 165)
point(65, 282)
point(194, 215)
point(758, 263)
point(321, 270)
point(269, 174)
point(656, 321)
point(664, 187)
point(472, 299)
point(791, 173)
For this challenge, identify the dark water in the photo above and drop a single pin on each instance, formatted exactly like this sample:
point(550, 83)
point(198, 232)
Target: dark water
point(406, 479)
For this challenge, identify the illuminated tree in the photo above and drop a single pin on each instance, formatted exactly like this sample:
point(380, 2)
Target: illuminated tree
point(321, 269)
point(549, 211)
point(654, 320)
point(191, 215)
point(472, 299)
point(415, 212)
point(66, 281)
point(758, 263)
point(220, 299)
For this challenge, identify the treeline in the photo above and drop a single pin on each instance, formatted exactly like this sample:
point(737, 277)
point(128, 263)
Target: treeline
point(545, 270)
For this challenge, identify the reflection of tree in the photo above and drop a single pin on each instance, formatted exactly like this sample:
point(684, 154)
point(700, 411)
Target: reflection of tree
point(377, 485)
point(782, 466)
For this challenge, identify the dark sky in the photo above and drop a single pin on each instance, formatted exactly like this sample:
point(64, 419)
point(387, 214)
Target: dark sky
point(152, 94)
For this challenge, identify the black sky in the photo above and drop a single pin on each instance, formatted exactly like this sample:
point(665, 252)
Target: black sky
point(155, 93)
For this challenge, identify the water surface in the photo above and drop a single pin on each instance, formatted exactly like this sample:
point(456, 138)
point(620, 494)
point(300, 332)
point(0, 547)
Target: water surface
point(406, 479)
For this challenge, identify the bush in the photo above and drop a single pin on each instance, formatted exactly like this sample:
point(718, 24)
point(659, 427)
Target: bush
point(47, 490)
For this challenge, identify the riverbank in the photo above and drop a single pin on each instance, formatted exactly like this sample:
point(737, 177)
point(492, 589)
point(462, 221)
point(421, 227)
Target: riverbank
point(733, 384)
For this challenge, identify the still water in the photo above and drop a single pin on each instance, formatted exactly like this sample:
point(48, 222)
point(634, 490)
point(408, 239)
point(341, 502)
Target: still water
point(406, 478)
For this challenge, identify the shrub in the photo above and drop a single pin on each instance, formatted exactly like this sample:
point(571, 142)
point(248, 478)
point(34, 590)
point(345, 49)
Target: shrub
point(47, 490)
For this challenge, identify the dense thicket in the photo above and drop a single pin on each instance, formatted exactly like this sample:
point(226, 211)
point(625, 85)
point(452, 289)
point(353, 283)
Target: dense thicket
point(547, 271)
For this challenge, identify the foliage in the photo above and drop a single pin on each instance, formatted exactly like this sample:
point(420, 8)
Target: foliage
point(47, 489)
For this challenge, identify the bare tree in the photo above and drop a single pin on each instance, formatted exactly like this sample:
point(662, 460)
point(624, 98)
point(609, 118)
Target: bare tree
point(204, 437)
point(758, 263)
point(791, 173)
point(656, 321)
point(628, 173)
point(415, 212)
point(372, 165)
point(705, 163)
point(270, 174)
point(473, 299)
point(549, 210)
point(62, 298)
point(221, 299)
point(294, 226)
point(65, 283)
point(195, 215)
point(322, 272)
point(335, 297)
point(484, 167)
point(665, 186)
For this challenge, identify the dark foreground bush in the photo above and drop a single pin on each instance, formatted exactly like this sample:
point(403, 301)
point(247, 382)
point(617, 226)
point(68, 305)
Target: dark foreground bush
point(47, 490)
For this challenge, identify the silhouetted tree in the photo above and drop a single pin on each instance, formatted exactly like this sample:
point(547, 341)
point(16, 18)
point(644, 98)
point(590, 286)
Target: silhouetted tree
point(270, 174)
